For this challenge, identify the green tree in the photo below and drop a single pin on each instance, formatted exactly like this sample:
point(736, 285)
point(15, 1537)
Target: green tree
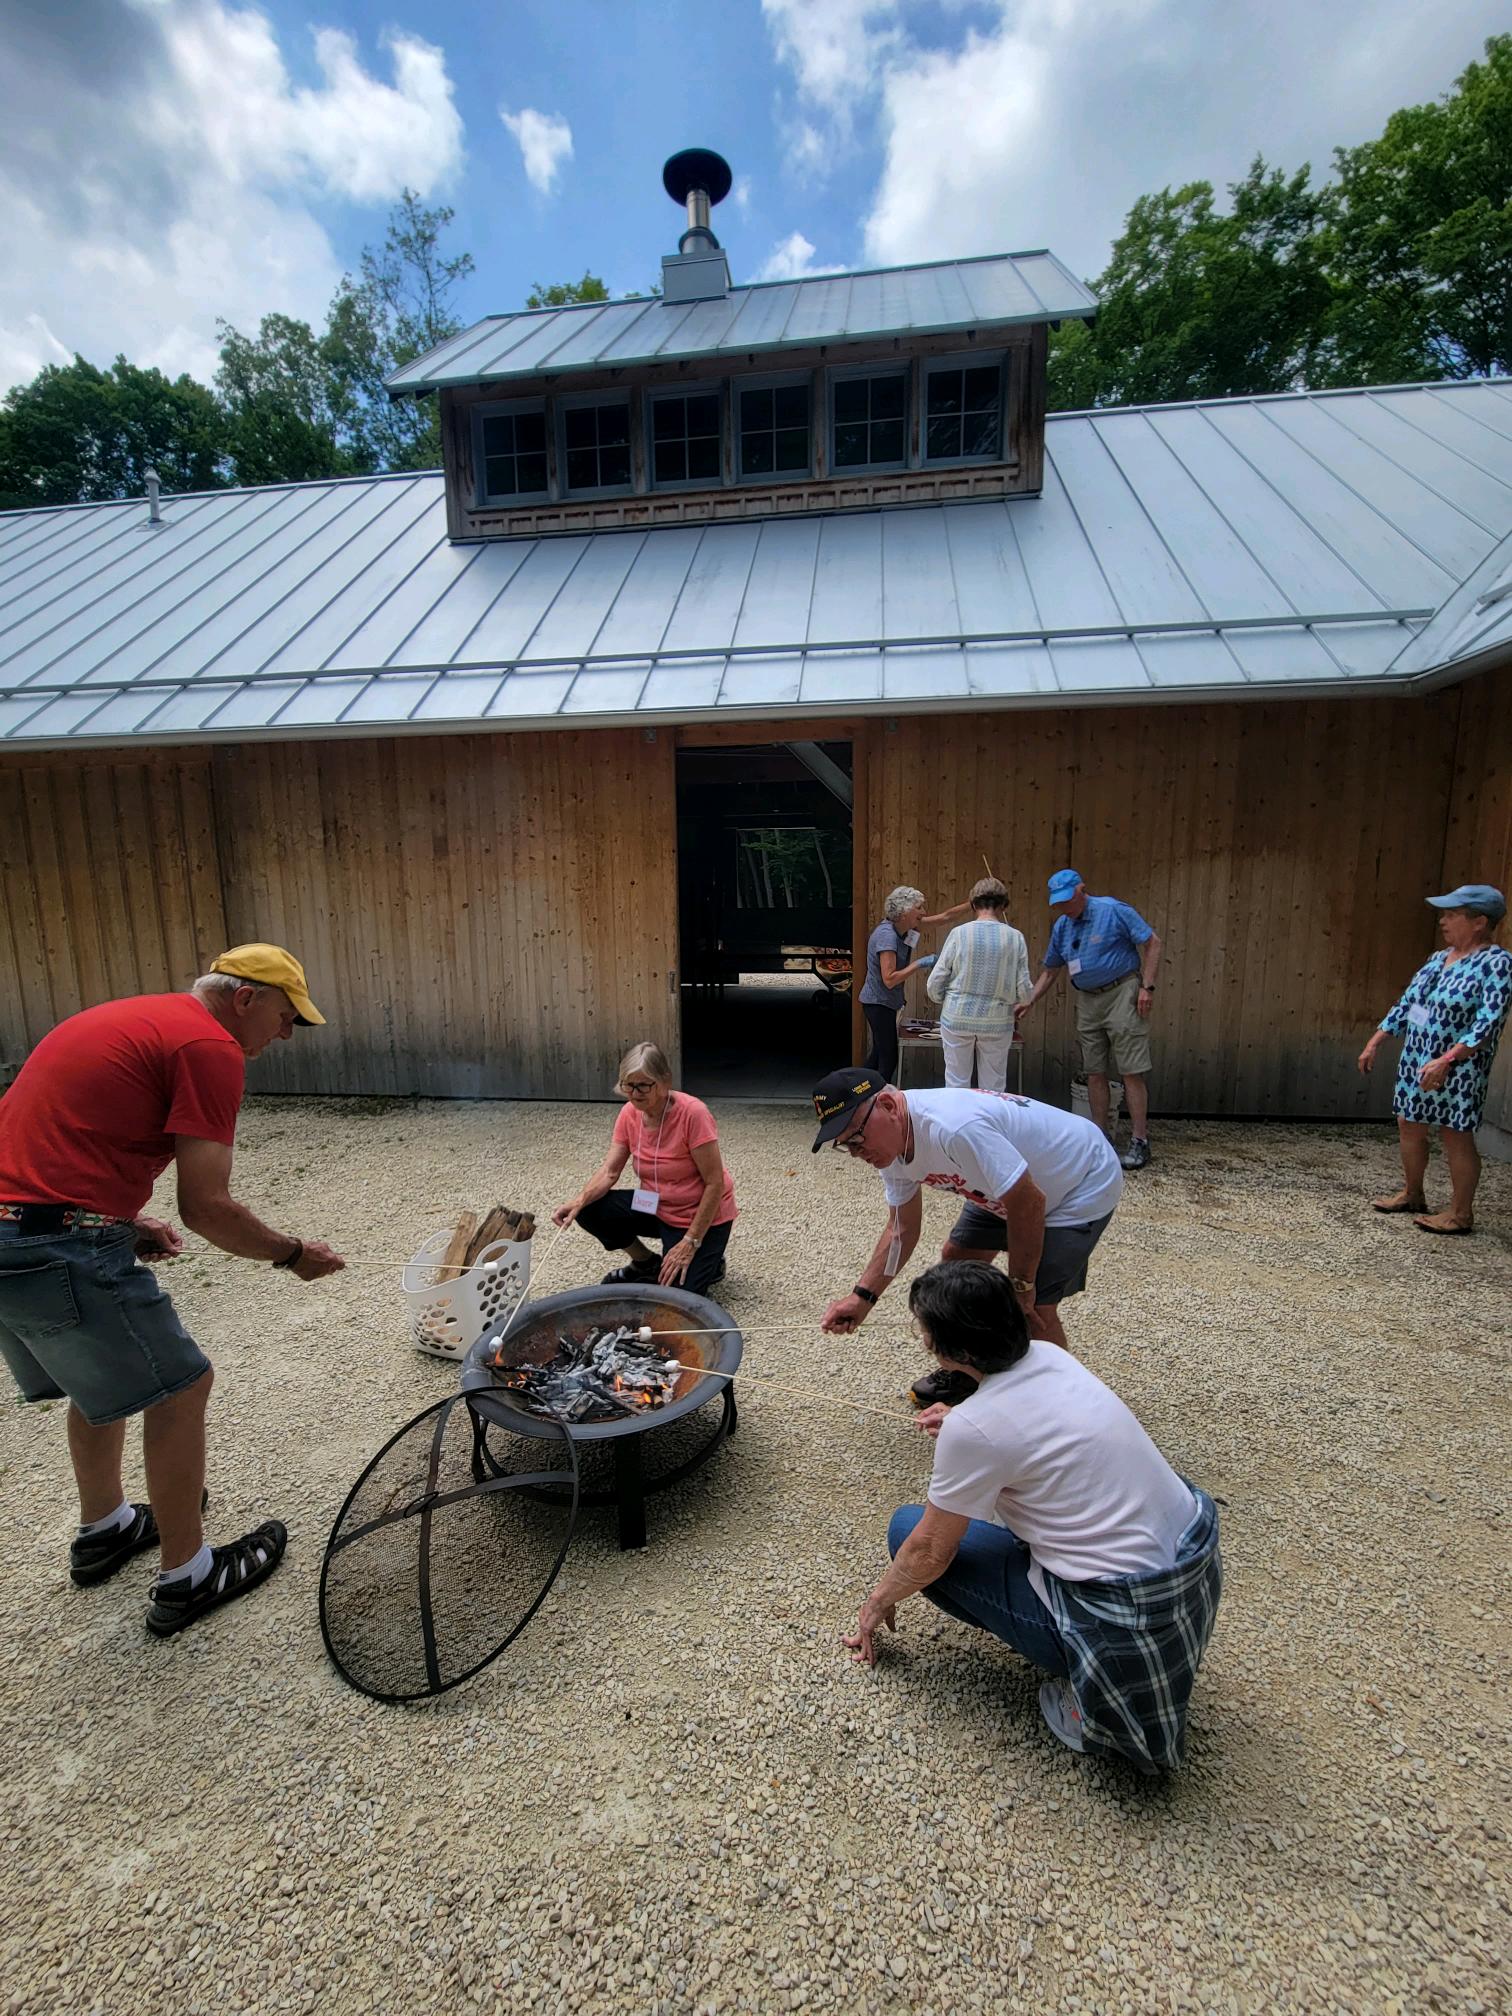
point(1198, 303)
point(78, 435)
point(283, 420)
point(397, 307)
point(567, 293)
point(1421, 237)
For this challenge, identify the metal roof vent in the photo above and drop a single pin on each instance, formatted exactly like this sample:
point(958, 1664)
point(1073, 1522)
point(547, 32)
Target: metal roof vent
point(154, 509)
point(698, 271)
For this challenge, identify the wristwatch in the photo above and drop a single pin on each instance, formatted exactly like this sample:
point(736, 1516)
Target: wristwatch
point(865, 1294)
point(1019, 1285)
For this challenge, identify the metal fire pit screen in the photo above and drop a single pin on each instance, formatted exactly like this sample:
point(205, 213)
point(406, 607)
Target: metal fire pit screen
point(452, 1537)
point(429, 1574)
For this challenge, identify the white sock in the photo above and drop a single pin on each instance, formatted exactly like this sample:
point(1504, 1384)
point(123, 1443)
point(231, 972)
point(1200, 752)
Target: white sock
point(193, 1572)
point(113, 1522)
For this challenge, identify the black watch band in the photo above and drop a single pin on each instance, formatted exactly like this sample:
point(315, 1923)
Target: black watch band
point(294, 1258)
point(865, 1294)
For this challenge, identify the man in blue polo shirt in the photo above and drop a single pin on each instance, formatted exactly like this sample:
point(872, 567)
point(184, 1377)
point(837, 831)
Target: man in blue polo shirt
point(1112, 956)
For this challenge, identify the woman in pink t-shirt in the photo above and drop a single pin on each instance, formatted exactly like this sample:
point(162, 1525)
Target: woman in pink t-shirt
point(682, 1196)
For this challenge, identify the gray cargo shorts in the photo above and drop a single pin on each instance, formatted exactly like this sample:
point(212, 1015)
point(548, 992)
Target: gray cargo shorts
point(1063, 1257)
point(82, 1318)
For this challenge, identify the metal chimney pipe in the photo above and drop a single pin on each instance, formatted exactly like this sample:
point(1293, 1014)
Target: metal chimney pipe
point(699, 179)
point(154, 511)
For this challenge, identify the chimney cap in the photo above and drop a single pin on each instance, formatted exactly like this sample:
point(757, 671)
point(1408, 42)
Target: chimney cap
point(697, 168)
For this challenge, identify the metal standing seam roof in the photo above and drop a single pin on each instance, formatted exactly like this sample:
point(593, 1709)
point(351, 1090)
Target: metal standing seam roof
point(1281, 545)
point(1474, 627)
point(770, 315)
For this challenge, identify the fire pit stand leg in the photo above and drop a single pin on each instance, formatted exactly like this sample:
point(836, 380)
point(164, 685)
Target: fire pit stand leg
point(630, 1492)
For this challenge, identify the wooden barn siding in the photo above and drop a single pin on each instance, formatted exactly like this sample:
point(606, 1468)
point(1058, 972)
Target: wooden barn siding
point(495, 915)
point(111, 884)
point(1478, 843)
point(489, 916)
point(1281, 851)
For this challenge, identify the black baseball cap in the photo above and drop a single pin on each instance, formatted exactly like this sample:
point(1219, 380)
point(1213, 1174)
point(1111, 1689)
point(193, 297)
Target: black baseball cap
point(837, 1097)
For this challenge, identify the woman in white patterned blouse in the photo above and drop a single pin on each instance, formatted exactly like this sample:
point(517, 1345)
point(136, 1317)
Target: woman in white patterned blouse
point(981, 975)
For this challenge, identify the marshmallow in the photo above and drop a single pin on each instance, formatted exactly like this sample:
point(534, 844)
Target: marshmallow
point(644, 1334)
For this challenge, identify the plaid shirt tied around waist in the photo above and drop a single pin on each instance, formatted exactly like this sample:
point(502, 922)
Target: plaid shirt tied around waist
point(1134, 1645)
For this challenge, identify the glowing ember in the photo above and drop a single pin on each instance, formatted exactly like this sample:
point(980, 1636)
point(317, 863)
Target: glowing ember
point(595, 1376)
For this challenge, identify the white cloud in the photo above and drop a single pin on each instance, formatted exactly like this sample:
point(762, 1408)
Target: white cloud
point(545, 143)
point(1006, 124)
point(836, 49)
point(161, 168)
point(740, 195)
point(792, 258)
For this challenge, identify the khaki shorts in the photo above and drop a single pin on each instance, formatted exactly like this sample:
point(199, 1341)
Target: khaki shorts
point(1112, 1030)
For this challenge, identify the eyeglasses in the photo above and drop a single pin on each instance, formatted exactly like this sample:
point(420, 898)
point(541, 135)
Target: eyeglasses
point(851, 1143)
point(639, 1087)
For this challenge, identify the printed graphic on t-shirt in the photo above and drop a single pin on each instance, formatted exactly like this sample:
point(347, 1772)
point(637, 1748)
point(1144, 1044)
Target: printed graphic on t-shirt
point(961, 1189)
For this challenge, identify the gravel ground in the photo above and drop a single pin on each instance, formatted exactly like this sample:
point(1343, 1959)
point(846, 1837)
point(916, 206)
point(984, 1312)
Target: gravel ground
point(675, 1793)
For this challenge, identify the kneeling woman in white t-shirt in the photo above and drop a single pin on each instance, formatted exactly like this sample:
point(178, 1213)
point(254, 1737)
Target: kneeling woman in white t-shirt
point(1054, 1522)
point(683, 1197)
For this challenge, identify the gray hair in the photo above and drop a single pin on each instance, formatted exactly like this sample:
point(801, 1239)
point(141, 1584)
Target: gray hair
point(902, 898)
point(228, 983)
point(648, 1057)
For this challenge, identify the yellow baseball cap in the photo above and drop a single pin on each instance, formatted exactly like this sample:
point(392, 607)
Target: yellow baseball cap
point(274, 968)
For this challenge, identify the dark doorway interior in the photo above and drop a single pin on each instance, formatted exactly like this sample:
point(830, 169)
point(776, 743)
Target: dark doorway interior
point(764, 912)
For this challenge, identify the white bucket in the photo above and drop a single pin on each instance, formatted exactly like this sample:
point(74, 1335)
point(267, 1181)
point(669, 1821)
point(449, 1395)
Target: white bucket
point(447, 1314)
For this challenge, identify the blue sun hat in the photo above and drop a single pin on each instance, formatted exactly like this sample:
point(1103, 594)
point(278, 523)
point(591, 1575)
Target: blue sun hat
point(1477, 896)
point(1064, 884)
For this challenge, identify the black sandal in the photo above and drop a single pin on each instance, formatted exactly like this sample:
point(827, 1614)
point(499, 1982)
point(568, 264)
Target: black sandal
point(637, 1271)
point(233, 1571)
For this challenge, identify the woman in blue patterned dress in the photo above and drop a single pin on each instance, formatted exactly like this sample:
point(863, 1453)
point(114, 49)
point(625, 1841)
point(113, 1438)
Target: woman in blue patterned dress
point(1451, 1015)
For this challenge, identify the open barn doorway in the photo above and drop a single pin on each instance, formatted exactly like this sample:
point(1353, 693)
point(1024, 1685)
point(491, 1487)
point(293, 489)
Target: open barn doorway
point(764, 913)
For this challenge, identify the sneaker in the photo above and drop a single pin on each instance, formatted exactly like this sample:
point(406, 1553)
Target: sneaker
point(1063, 1717)
point(92, 1557)
point(1136, 1155)
point(234, 1570)
point(942, 1388)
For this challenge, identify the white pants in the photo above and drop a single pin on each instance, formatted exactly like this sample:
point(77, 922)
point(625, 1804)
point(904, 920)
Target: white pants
point(991, 1057)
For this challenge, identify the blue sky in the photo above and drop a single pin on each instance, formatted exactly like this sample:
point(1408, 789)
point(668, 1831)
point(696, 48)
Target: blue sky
point(166, 162)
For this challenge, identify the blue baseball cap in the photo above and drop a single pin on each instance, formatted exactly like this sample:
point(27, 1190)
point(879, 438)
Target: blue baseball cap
point(1477, 896)
point(1064, 884)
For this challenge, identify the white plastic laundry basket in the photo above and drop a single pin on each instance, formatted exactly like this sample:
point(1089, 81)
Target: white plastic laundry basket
point(448, 1313)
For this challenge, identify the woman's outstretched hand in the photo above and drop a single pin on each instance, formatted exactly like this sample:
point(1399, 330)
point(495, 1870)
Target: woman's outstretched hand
point(565, 1214)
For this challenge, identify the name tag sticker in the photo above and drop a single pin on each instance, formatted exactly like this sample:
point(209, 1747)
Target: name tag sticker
point(1073, 967)
point(648, 1201)
point(910, 939)
point(1417, 1015)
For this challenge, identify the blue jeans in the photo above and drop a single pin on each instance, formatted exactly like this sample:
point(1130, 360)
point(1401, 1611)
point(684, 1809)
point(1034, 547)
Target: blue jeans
point(988, 1585)
point(79, 1316)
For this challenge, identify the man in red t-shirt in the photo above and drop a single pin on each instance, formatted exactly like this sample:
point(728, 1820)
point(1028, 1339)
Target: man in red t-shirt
point(101, 1107)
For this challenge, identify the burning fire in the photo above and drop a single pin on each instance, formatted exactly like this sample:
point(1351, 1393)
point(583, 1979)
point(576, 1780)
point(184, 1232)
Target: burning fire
point(594, 1377)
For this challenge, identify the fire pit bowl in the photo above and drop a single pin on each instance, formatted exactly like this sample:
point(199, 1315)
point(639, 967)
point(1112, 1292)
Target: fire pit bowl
point(534, 1341)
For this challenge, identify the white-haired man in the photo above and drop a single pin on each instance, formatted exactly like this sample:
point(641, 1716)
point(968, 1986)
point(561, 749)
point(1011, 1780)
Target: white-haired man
point(101, 1107)
point(1035, 1183)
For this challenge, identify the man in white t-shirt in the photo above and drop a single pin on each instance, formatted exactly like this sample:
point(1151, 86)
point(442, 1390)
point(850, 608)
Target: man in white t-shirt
point(1035, 1183)
point(1045, 1483)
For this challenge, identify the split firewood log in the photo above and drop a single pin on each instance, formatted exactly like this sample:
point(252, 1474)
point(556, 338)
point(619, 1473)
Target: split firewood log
point(455, 1258)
